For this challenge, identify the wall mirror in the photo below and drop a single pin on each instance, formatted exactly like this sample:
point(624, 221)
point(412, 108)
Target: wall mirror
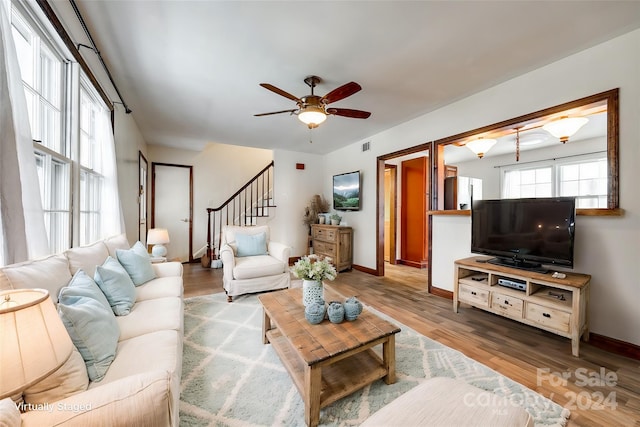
point(528, 156)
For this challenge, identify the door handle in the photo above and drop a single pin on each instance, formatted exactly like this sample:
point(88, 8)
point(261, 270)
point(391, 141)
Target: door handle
point(185, 220)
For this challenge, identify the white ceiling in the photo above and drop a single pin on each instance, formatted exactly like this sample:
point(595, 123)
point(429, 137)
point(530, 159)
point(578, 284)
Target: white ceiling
point(190, 70)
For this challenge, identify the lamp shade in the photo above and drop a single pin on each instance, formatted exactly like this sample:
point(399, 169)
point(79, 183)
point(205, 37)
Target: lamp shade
point(33, 340)
point(312, 116)
point(565, 127)
point(480, 146)
point(157, 236)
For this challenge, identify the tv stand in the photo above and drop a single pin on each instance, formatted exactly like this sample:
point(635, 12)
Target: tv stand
point(556, 305)
point(519, 264)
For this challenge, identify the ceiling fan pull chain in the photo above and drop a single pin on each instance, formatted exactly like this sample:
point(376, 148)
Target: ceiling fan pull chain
point(310, 141)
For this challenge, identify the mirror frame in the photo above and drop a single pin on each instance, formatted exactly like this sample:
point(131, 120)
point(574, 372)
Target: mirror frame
point(610, 97)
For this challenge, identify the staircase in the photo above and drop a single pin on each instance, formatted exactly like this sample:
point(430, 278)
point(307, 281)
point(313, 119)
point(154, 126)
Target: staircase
point(244, 208)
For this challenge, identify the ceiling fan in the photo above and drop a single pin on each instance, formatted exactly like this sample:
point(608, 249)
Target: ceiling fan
point(312, 109)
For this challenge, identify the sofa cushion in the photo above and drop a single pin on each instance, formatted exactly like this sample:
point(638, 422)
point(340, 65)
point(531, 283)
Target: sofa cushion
point(257, 266)
point(67, 380)
point(137, 400)
point(151, 316)
point(137, 263)
point(116, 242)
point(82, 285)
point(161, 350)
point(117, 286)
point(93, 330)
point(9, 413)
point(160, 287)
point(87, 257)
point(51, 273)
point(251, 244)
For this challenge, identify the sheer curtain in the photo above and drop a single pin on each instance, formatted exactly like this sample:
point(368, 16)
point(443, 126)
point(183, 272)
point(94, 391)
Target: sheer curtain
point(111, 218)
point(23, 232)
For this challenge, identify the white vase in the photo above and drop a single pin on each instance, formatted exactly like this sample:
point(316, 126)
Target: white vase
point(312, 291)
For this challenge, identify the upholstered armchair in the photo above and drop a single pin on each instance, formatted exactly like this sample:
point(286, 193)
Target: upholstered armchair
point(251, 262)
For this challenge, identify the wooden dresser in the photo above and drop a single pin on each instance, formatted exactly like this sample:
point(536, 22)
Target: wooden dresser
point(333, 241)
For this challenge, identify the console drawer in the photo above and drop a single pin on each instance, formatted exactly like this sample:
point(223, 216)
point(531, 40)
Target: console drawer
point(473, 296)
point(548, 317)
point(507, 305)
point(326, 249)
point(326, 234)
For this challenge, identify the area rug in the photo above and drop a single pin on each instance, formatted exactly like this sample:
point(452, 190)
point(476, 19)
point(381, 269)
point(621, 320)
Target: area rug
point(230, 378)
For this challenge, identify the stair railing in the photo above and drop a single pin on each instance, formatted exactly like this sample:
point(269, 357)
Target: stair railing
point(243, 208)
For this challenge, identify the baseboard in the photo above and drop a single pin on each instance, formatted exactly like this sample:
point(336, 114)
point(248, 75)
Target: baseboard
point(441, 292)
point(416, 264)
point(365, 269)
point(613, 345)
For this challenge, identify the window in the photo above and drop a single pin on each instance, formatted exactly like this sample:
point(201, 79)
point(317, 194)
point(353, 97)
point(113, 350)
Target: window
point(75, 160)
point(585, 179)
point(91, 178)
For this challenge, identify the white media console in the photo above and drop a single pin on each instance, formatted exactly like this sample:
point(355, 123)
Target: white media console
point(557, 305)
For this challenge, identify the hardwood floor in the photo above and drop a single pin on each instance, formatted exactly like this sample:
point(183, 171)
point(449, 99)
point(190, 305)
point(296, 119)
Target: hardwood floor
point(600, 389)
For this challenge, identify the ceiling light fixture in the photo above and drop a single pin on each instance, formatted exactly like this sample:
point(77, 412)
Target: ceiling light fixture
point(480, 146)
point(312, 116)
point(565, 127)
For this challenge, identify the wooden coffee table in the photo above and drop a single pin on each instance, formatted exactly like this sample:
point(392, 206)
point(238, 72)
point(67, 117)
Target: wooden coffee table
point(327, 361)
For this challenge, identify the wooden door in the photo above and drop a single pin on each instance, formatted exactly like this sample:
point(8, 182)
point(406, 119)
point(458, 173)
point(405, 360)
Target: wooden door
point(414, 251)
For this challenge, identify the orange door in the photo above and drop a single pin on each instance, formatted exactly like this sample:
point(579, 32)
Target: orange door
point(414, 212)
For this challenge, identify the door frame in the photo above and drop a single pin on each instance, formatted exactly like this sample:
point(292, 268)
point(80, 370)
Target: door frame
point(380, 166)
point(153, 199)
point(393, 212)
point(143, 160)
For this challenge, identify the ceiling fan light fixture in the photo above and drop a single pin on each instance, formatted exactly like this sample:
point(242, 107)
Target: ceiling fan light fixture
point(480, 146)
point(312, 116)
point(565, 127)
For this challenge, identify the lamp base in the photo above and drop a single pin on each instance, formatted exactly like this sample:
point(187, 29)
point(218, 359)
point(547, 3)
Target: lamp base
point(158, 251)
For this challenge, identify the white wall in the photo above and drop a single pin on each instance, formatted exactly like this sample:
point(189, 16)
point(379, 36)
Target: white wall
point(608, 248)
point(129, 142)
point(294, 190)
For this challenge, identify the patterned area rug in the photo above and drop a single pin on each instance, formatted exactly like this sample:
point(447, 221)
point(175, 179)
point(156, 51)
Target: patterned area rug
point(229, 378)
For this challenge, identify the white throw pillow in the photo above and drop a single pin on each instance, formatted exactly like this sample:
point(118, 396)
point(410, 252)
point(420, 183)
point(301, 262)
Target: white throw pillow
point(69, 379)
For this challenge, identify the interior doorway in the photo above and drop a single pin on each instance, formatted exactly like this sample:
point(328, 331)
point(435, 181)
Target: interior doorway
point(385, 230)
point(172, 207)
point(413, 221)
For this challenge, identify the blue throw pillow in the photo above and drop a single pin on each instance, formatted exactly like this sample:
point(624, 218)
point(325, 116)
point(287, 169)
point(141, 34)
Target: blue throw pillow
point(81, 285)
point(137, 263)
point(251, 244)
point(93, 330)
point(115, 283)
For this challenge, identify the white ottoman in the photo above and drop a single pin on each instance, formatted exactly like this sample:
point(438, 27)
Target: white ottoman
point(448, 402)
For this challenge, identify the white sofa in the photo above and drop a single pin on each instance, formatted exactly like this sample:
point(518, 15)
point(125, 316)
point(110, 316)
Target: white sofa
point(267, 270)
point(142, 385)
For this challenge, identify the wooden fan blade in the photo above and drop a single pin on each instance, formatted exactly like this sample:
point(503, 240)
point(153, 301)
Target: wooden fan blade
point(348, 112)
point(276, 112)
point(342, 92)
point(279, 91)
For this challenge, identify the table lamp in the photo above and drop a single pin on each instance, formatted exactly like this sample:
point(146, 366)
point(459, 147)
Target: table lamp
point(33, 340)
point(158, 237)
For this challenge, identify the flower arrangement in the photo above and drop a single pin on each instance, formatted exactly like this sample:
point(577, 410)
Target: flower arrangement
point(312, 267)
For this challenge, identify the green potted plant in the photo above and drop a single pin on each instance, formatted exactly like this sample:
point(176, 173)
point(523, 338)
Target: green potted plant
point(335, 219)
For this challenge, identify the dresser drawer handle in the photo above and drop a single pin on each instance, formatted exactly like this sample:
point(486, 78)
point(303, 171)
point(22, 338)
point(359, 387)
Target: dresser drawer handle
point(506, 302)
point(547, 315)
point(473, 293)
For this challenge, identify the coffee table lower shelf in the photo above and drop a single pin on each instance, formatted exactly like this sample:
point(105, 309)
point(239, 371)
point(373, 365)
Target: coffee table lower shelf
point(340, 375)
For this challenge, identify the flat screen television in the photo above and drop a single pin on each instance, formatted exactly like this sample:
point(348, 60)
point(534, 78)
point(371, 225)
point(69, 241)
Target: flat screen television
point(525, 233)
point(346, 191)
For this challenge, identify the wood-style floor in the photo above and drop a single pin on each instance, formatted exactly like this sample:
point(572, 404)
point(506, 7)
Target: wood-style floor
point(601, 388)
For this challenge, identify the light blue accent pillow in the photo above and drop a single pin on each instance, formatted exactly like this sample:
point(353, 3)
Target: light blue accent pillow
point(81, 285)
point(251, 244)
point(93, 330)
point(137, 263)
point(115, 283)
